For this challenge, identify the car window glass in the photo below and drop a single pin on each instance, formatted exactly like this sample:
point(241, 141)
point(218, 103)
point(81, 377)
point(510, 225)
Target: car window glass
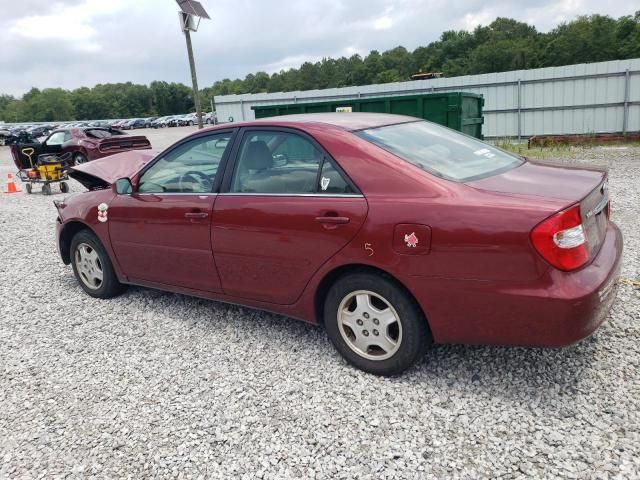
point(441, 151)
point(276, 162)
point(56, 139)
point(67, 136)
point(188, 168)
point(332, 182)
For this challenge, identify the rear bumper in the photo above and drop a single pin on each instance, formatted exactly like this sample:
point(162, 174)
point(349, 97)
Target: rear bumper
point(558, 309)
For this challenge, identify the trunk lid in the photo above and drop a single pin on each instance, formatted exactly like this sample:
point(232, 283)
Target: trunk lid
point(103, 172)
point(119, 143)
point(567, 185)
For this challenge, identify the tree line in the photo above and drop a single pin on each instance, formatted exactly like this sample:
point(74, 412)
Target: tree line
point(505, 44)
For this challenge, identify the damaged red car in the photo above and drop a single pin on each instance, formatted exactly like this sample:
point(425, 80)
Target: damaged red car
point(82, 145)
point(392, 232)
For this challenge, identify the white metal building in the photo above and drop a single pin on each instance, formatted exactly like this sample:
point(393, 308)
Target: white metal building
point(587, 98)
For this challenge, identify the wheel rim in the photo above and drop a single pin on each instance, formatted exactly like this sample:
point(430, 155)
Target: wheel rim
point(369, 325)
point(89, 266)
point(79, 159)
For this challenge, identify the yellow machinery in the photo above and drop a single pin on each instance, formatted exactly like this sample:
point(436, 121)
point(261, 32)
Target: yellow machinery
point(47, 169)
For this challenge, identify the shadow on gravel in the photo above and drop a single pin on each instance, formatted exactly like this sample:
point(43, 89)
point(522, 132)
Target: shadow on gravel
point(500, 371)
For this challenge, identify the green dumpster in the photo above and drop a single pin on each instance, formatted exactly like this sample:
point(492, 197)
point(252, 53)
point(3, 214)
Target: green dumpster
point(457, 110)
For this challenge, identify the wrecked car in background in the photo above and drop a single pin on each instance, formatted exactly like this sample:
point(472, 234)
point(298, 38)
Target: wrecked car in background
point(84, 144)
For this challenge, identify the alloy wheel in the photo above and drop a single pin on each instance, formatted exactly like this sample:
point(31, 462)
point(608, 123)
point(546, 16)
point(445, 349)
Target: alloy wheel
point(369, 325)
point(89, 266)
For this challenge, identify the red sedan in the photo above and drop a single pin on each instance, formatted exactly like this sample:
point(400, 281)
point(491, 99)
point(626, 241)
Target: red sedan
point(393, 232)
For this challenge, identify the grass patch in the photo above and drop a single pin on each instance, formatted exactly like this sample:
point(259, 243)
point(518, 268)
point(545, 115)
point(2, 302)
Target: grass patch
point(558, 150)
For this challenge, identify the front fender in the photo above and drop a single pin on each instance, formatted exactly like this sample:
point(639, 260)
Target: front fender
point(81, 211)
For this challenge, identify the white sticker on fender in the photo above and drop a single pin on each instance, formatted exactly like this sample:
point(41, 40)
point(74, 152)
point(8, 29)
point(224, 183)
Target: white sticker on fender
point(103, 209)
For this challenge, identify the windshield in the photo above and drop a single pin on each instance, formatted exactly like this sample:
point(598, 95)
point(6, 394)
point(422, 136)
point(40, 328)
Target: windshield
point(441, 151)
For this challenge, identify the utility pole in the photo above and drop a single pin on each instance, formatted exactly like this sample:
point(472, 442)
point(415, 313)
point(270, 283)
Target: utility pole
point(190, 11)
point(194, 77)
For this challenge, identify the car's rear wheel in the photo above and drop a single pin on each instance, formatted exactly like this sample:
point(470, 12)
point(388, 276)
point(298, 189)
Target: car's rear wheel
point(92, 266)
point(375, 324)
point(79, 158)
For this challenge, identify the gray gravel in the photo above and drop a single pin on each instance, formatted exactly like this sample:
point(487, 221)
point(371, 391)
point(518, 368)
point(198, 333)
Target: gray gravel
point(161, 385)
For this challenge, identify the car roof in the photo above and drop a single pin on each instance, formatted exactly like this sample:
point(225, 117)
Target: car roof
point(347, 121)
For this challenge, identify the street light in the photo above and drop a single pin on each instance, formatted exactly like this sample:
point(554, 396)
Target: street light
point(190, 15)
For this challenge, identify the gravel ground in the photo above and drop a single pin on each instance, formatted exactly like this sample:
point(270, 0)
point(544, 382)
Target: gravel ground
point(161, 385)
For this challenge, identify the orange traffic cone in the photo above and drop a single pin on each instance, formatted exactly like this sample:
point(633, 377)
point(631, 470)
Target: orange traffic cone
point(11, 185)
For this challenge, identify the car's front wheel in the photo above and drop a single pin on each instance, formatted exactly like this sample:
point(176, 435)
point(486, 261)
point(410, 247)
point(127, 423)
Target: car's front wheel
point(92, 267)
point(375, 324)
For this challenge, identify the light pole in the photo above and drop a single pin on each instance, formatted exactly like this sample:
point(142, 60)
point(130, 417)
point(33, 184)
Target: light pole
point(190, 15)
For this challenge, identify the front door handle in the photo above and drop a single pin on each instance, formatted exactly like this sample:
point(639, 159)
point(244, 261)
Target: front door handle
point(196, 215)
point(333, 220)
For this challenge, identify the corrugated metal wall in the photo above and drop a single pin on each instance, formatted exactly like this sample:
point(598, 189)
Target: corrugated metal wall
point(586, 98)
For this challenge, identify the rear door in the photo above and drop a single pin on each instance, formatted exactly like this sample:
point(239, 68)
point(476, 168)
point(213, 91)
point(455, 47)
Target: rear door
point(161, 232)
point(286, 209)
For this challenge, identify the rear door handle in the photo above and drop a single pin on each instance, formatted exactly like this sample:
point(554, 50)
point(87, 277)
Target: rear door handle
point(196, 215)
point(333, 220)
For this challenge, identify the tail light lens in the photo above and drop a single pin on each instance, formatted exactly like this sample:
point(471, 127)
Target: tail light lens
point(561, 240)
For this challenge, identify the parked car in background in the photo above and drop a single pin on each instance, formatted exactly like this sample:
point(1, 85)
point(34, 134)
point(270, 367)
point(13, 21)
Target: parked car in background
point(149, 121)
point(187, 120)
point(119, 124)
point(84, 144)
point(38, 131)
point(391, 231)
point(134, 123)
point(162, 122)
point(210, 118)
point(173, 120)
point(4, 134)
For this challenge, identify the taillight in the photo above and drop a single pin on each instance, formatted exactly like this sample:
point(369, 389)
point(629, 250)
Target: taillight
point(561, 240)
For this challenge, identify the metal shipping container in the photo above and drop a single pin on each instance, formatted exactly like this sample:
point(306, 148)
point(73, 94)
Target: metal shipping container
point(458, 110)
point(601, 97)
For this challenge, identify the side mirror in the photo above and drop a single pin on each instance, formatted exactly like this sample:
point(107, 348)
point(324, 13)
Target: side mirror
point(123, 186)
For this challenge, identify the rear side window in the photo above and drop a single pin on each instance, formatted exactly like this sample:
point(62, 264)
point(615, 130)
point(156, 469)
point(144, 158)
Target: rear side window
point(441, 151)
point(285, 163)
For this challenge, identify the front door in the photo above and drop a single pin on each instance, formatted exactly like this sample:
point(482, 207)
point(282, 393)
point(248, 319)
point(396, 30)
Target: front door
point(161, 232)
point(288, 210)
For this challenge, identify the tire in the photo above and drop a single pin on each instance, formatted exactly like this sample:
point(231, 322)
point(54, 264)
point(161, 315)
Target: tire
point(191, 123)
point(64, 187)
point(405, 338)
point(89, 260)
point(79, 158)
point(46, 189)
point(29, 188)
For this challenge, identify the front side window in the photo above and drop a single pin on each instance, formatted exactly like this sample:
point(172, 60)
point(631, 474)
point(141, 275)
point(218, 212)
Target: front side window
point(189, 168)
point(56, 139)
point(441, 151)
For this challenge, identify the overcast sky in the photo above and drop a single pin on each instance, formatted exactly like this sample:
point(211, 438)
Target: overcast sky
point(73, 43)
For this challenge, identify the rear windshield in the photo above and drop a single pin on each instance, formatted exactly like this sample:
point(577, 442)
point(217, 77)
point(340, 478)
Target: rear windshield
point(101, 132)
point(441, 151)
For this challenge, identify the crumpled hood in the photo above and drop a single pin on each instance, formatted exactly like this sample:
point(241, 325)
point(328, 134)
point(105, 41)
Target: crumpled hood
point(103, 172)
